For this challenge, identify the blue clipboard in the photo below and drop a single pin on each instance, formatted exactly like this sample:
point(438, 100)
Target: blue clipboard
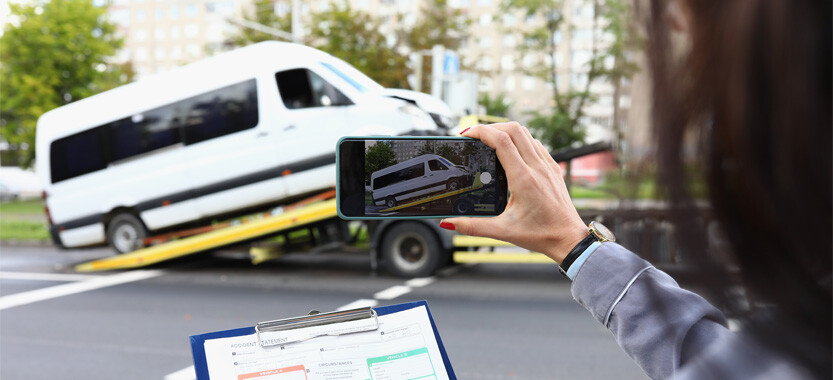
point(198, 341)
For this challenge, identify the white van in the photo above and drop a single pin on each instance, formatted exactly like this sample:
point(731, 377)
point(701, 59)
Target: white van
point(244, 129)
point(419, 176)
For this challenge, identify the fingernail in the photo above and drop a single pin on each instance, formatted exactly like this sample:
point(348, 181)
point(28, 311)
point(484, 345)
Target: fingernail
point(464, 131)
point(447, 226)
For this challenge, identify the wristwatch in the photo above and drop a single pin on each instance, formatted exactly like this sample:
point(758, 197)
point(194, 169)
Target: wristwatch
point(596, 233)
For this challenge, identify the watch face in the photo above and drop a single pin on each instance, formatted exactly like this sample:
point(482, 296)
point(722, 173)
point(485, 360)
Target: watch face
point(603, 231)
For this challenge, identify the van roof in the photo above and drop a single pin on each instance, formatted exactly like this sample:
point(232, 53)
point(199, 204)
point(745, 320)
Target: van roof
point(406, 163)
point(182, 82)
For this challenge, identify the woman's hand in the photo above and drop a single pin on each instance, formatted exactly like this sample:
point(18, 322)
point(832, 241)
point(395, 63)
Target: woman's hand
point(540, 215)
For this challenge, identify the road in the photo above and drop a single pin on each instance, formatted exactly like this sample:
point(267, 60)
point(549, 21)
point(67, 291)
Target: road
point(497, 321)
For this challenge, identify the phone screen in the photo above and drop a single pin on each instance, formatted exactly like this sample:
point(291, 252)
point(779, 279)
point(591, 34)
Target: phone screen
point(419, 177)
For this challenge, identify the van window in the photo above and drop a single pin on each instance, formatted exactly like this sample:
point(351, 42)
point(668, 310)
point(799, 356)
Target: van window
point(212, 114)
point(411, 172)
point(436, 165)
point(78, 154)
point(302, 88)
point(217, 113)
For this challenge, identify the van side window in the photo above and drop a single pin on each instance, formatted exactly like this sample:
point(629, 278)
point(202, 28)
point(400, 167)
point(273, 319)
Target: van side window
point(212, 114)
point(78, 154)
point(415, 171)
point(219, 112)
point(436, 165)
point(302, 88)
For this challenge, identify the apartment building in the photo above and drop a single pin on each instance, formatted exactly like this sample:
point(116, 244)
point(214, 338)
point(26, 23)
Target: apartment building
point(160, 35)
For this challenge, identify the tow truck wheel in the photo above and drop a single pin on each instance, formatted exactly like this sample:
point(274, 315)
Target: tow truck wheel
point(411, 249)
point(463, 206)
point(125, 233)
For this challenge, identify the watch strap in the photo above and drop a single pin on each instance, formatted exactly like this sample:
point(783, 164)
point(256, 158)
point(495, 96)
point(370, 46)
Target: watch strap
point(577, 251)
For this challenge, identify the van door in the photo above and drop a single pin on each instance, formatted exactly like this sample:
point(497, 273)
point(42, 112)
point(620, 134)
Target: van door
point(315, 114)
point(233, 157)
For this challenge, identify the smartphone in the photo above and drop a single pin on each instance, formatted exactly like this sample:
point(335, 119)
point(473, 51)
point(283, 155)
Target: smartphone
point(383, 177)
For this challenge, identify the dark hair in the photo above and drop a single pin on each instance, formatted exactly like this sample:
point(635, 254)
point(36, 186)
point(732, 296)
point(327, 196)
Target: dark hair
point(753, 90)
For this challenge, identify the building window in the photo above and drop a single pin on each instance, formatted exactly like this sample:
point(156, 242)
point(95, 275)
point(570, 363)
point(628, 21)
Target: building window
point(528, 83)
point(509, 40)
point(509, 83)
point(485, 19)
point(507, 62)
point(485, 42)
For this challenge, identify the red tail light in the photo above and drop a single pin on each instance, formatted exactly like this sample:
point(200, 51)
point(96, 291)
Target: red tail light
point(44, 195)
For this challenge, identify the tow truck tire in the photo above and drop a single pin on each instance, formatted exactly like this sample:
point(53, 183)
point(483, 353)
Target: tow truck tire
point(463, 206)
point(125, 233)
point(411, 249)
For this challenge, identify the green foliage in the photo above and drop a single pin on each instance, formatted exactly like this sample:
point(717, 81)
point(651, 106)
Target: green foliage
point(26, 208)
point(53, 53)
point(556, 129)
point(438, 24)
point(378, 157)
point(495, 106)
point(562, 125)
point(354, 36)
point(262, 12)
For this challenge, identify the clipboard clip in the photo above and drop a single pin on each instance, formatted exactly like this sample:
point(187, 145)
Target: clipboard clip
point(299, 329)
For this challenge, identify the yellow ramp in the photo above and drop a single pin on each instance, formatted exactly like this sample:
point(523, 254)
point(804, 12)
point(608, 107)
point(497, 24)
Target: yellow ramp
point(214, 239)
point(520, 256)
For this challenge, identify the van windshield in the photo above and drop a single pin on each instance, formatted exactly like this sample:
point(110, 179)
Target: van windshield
point(354, 77)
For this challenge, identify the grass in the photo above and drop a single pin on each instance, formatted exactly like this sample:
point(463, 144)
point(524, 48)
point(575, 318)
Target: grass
point(23, 220)
point(22, 230)
point(27, 207)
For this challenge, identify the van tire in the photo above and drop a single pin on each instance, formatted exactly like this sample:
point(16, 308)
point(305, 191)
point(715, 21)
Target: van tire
point(412, 249)
point(452, 185)
point(125, 233)
point(390, 202)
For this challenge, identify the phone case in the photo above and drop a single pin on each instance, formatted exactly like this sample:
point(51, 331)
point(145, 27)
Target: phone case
point(338, 178)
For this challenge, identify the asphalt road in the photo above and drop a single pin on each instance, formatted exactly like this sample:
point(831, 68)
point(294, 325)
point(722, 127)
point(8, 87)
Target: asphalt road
point(497, 321)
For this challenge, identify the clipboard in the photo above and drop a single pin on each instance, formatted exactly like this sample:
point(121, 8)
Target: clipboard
point(295, 331)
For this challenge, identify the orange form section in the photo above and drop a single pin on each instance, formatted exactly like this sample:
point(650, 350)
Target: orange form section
point(256, 375)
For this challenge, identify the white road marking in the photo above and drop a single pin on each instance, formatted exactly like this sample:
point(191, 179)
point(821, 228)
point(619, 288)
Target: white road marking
point(43, 294)
point(392, 292)
point(359, 303)
point(419, 282)
point(186, 373)
point(45, 276)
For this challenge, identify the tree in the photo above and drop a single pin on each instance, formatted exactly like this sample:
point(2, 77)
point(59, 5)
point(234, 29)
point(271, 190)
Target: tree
point(355, 37)
point(53, 53)
point(495, 106)
point(378, 157)
point(438, 24)
point(263, 13)
point(562, 126)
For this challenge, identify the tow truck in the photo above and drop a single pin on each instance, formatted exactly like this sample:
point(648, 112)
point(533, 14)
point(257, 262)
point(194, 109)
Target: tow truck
point(405, 248)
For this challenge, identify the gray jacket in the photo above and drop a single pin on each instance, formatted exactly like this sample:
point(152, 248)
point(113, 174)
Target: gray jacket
point(670, 332)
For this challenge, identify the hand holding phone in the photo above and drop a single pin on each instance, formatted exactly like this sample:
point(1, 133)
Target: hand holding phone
point(418, 177)
point(540, 216)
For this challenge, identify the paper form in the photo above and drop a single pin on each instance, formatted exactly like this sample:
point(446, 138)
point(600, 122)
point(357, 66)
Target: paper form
point(404, 347)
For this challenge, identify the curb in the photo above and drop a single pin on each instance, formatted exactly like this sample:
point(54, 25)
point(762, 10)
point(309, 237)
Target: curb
point(25, 243)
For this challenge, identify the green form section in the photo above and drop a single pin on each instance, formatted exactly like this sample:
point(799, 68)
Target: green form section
point(402, 355)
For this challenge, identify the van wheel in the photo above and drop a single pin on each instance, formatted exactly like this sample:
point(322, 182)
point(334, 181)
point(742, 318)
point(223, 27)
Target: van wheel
point(453, 185)
point(125, 233)
point(390, 202)
point(411, 249)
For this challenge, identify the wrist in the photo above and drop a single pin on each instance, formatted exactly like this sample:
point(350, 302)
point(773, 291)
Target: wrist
point(566, 242)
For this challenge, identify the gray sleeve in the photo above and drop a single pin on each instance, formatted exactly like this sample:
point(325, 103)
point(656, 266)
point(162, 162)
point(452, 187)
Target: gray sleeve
point(658, 324)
